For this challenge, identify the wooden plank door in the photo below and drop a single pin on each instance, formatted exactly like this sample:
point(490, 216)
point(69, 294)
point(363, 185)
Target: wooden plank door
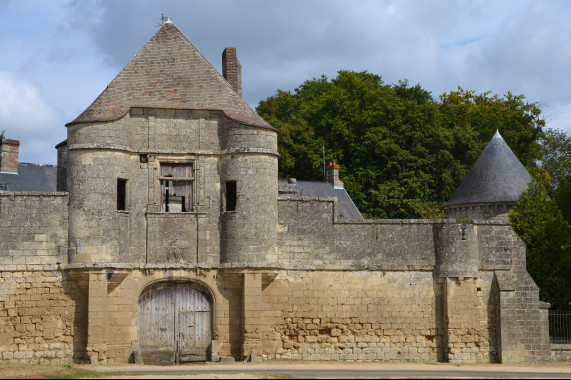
point(175, 324)
point(156, 324)
point(194, 324)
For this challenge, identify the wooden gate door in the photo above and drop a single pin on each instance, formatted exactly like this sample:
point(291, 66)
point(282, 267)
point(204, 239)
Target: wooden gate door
point(175, 324)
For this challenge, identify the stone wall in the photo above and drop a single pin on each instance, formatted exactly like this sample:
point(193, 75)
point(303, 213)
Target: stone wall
point(309, 237)
point(33, 229)
point(480, 211)
point(490, 303)
point(561, 352)
point(373, 315)
point(41, 317)
point(394, 290)
point(40, 311)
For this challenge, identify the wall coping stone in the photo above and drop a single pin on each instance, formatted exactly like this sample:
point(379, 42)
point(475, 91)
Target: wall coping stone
point(245, 266)
point(34, 193)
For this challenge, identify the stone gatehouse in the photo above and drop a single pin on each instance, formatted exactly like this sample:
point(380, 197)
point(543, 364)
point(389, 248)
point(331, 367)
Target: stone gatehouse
point(170, 239)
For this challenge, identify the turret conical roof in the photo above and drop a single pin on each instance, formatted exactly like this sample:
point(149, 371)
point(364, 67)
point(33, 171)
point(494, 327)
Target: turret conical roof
point(496, 177)
point(169, 72)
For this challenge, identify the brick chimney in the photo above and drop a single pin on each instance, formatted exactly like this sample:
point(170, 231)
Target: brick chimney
point(332, 172)
point(9, 157)
point(232, 69)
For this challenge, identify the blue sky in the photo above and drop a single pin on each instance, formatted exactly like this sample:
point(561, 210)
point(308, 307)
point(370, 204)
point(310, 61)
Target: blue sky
point(59, 55)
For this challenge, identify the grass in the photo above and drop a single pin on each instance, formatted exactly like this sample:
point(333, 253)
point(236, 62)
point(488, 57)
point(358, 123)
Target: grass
point(47, 371)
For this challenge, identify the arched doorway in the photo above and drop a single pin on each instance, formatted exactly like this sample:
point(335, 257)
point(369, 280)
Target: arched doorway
point(175, 323)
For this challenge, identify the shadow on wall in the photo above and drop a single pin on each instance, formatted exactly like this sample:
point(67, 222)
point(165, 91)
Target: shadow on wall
point(80, 318)
point(493, 319)
point(439, 317)
point(230, 287)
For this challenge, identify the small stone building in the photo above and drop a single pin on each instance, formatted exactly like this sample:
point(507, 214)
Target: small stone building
point(169, 239)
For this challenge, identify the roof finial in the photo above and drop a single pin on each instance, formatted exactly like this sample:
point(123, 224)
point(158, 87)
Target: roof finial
point(165, 19)
point(497, 134)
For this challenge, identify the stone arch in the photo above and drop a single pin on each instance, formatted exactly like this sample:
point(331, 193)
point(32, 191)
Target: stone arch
point(175, 322)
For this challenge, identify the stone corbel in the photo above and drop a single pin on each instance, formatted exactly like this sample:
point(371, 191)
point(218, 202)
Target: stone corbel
point(81, 278)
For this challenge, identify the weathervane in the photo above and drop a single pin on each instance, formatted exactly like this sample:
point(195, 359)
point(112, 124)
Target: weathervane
point(164, 19)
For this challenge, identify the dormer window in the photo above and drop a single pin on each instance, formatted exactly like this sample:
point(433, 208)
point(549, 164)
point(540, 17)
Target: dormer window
point(177, 182)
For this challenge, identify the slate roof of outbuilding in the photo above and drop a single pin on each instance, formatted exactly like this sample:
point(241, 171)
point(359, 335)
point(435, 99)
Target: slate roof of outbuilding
point(346, 209)
point(30, 177)
point(169, 72)
point(496, 177)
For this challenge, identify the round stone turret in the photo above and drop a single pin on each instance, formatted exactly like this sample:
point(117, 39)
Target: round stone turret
point(492, 186)
point(249, 209)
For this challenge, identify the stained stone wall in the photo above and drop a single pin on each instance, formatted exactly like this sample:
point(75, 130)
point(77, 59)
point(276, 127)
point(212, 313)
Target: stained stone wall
point(489, 305)
point(375, 315)
point(286, 278)
point(40, 311)
point(33, 229)
point(41, 317)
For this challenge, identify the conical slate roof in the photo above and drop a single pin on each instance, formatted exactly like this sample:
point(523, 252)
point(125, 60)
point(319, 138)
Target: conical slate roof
point(169, 72)
point(496, 177)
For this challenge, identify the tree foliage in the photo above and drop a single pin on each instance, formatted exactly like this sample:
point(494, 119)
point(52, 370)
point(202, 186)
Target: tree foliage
point(557, 162)
point(538, 220)
point(402, 153)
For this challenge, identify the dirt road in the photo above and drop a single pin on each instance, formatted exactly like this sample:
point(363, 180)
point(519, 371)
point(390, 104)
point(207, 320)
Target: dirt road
point(298, 369)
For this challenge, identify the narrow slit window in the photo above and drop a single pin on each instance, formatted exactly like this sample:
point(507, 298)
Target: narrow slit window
point(177, 182)
point(231, 196)
point(121, 194)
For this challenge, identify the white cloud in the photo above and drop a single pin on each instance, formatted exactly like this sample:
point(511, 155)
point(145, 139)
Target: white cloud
point(25, 116)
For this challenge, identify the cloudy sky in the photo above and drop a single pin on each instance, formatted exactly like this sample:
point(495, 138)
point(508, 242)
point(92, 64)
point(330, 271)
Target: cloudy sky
point(59, 55)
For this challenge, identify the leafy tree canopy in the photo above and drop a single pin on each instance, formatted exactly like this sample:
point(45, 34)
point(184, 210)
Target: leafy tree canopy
point(557, 163)
point(538, 220)
point(402, 153)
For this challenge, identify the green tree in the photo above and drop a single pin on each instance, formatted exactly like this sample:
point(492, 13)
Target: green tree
point(475, 117)
point(538, 220)
point(402, 153)
point(557, 162)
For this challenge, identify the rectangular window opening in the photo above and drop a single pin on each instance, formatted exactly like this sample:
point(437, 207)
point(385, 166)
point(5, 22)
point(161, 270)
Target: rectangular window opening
point(230, 195)
point(177, 182)
point(121, 194)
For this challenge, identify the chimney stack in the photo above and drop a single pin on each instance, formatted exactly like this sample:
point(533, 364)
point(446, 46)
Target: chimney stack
point(332, 172)
point(9, 156)
point(232, 69)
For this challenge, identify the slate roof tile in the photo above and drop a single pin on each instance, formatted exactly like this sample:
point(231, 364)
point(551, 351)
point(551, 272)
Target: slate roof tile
point(496, 177)
point(30, 177)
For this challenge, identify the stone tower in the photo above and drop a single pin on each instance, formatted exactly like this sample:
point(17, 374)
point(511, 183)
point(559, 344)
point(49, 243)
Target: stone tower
point(170, 165)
